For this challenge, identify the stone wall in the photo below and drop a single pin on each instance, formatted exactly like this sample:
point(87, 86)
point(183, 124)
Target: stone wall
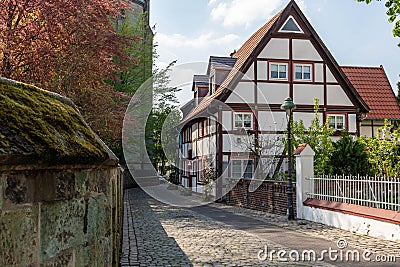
point(270, 196)
point(61, 216)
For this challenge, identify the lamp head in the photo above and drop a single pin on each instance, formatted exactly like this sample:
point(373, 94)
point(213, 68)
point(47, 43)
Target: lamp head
point(288, 105)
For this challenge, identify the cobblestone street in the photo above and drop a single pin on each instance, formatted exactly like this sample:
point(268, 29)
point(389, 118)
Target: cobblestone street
point(156, 234)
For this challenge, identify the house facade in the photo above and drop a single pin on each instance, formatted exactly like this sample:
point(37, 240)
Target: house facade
point(234, 126)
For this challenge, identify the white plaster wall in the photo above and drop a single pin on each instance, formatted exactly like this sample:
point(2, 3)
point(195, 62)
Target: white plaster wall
point(359, 225)
point(227, 120)
point(230, 143)
point(329, 76)
point(305, 94)
point(262, 70)
point(366, 131)
point(276, 49)
point(249, 75)
point(336, 96)
point(272, 93)
point(352, 122)
point(319, 72)
point(306, 118)
point(243, 93)
point(271, 121)
point(304, 50)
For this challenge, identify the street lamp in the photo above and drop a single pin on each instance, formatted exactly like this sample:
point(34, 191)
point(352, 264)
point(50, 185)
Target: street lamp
point(289, 106)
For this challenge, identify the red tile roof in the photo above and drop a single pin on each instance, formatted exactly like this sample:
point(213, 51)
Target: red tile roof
point(373, 86)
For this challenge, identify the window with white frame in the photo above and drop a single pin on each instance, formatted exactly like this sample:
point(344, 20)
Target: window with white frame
point(278, 71)
point(302, 72)
point(243, 120)
point(242, 168)
point(337, 122)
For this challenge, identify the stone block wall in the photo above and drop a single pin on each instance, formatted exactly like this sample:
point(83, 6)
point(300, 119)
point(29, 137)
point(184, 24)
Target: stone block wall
point(270, 196)
point(63, 216)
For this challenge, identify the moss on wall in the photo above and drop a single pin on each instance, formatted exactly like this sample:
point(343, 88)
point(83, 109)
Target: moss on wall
point(43, 125)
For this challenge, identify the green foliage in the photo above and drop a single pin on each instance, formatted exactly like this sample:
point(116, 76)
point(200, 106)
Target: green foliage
point(318, 137)
point(384, 151)
point(393, 13)
point(140, 48)
point(349, 156)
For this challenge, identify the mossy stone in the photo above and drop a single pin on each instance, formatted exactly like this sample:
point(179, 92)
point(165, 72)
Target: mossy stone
point(45, 125)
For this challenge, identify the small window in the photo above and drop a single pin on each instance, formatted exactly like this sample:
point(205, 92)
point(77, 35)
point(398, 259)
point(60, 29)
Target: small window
point(337, 122)
point(278, 71)
point(302, 72)
point(242, 168)
point(243, 120)
point(291, 26)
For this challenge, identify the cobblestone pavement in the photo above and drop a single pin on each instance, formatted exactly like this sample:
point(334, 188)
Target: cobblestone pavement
point(318, 230)
point(156, 234)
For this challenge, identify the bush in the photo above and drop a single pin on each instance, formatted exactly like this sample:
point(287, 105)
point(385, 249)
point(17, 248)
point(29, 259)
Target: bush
point(349, 157)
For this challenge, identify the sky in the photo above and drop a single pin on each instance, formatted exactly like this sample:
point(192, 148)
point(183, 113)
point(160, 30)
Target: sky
point(189, 31)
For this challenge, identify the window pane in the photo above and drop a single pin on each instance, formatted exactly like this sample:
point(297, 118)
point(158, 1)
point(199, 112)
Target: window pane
point(247, 117)
point(238, 124)
point(248, 172)
point(274, 74)
point(236, 169)
point(298, 76)
point(282, 68)
point(307, 69)
point(332, 121)
point(247, 124)
point(339, 122)
point(274, 67)
point(299, 69)
point(307, 76)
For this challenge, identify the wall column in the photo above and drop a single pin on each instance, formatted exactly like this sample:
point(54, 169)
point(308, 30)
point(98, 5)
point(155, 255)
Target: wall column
point(304, 156)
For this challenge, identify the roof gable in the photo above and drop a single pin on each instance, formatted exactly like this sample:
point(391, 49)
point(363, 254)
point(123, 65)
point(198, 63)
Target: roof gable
point(253, 47)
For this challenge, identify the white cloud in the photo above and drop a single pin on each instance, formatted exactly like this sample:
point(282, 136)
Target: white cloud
point(302, 5)
point(202, 41)
point(239, 12)
point(211, 2)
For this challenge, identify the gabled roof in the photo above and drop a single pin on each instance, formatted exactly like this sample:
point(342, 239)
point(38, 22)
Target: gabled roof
point(374, 87)
point(252, 47)
point(220, 62)
point(201, 80)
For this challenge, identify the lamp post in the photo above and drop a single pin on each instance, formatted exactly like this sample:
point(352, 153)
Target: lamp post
point(289, 106)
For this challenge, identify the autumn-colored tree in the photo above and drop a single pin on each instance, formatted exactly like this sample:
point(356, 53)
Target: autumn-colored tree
point(68, 47)
point(60, 45)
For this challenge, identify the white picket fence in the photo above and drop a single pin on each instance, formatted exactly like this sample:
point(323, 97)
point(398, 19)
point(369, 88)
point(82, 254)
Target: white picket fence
point(377, 192)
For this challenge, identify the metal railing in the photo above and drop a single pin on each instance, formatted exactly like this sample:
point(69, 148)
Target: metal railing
point(376, 192)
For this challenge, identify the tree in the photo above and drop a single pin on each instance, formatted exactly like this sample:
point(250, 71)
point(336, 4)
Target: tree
point(160, 135)
point(398, 93)
point(393, 14)
point(141, 48)
point(349, 156)
point(67, 47)
point(318, 136)
point(384, 151)
point(60, 45)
